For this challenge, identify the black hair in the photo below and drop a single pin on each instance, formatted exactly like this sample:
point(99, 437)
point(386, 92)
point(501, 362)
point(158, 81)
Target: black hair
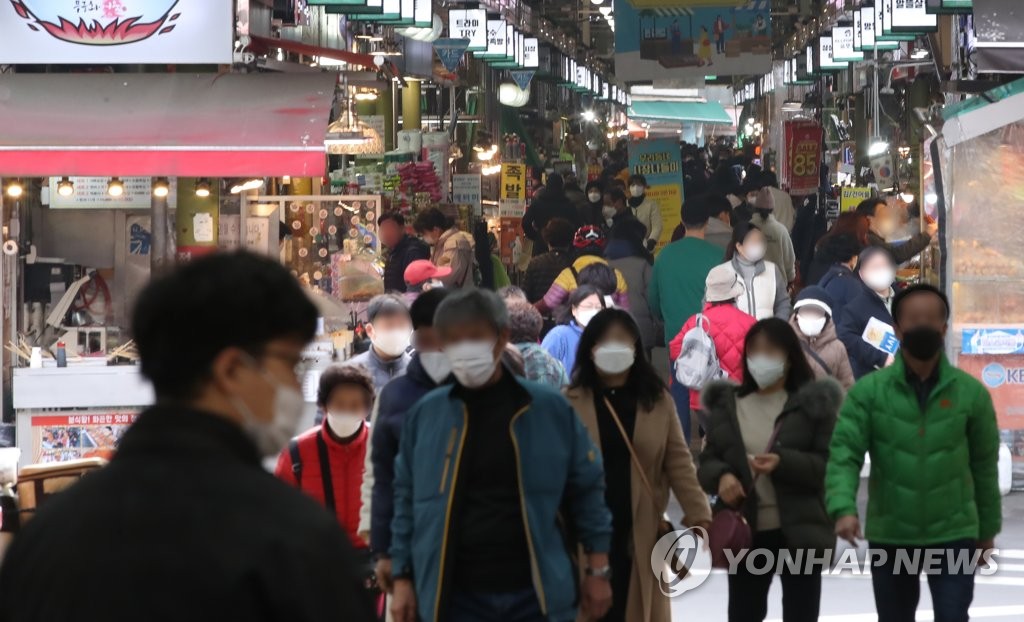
point(695, 212)
point(637, 178)
point(425, 306)
point(627, 240)
point(922, 288)
point(781, 334)
point(769, 178)
point(395, 217)
point(839, 248)
point(739, 235)
point(558, 233)
point(643, 379)
point(431, 219)
point(716, 204)
point(595, 185)
point(576, 297)
point(524, 322)
point(555, 184)
point(600, 275)
point(616, 194)
point(245, 301)
point(386, 305)
point(868, 207)
point(340, 375)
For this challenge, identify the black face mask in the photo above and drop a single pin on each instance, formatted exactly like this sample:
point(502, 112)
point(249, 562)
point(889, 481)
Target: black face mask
point(923, 342)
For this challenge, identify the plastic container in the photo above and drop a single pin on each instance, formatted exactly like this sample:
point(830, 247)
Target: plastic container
point(36, 361)
point(62, 354)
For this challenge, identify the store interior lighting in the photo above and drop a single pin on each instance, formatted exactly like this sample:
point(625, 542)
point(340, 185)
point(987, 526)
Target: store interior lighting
point(115, 187)
point(907, 197)
point(161, 188)
point(203, 188)
point(487, 154)
point(15, 189)
point(878, 147)
point(249, 184)
point(366, 96)
point(919, 53)
point(65, 187)
point(605, 10)
point(588, 116)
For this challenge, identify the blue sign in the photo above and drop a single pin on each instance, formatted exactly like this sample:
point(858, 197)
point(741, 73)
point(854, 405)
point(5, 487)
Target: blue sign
point(451, 51)
point(890, 344)
point(522, 78)
point(993, 341)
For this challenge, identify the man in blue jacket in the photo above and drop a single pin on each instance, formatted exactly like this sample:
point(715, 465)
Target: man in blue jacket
point(427, 370)
point(483, 468)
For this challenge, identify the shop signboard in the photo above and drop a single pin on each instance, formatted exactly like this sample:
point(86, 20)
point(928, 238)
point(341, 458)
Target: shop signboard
point(843, 45)
point(912, 16)
point(451, 51)
point(660, 161)
point(91, 193)
point(531, 53)
point(103, 32)
point(687, 41)
point(496, 44)
point(803, 156)
point(469, 24)
point(512, 194)
point(467, 190)
point(1003, 376)
point(73, 435)
point(849, 198)
point(1004, 340)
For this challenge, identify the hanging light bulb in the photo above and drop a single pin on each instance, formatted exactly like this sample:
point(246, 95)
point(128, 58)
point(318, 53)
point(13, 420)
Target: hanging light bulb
point(115, 187)
point(161, 188)
point(65, 187)
point(15, 189)
point(203, 188)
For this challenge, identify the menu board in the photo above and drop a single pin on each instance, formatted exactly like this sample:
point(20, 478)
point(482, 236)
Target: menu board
point(91, 193)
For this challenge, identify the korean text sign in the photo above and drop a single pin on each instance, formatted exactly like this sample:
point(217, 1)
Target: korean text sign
point(660, 162)
point(512, 195)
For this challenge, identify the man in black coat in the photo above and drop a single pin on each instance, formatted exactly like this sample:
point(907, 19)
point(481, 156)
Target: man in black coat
point(403, 249)
point(552, 203)
point(184, 523)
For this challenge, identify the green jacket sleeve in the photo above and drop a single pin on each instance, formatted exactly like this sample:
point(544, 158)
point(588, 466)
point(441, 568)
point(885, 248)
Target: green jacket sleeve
point(983, 441)
point(846, 453)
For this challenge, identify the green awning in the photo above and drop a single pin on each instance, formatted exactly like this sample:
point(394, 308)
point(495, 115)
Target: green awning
point(698, 112)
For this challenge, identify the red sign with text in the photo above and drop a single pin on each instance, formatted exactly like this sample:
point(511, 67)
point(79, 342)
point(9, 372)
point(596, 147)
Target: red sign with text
point(803, 156)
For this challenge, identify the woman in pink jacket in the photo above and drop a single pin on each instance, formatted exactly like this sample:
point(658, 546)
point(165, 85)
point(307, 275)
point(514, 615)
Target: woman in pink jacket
point(727, 325)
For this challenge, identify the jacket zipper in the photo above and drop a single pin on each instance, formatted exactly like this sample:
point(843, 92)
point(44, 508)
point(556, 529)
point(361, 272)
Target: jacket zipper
point(448, 508)
point(534, 567)
point(447, 461)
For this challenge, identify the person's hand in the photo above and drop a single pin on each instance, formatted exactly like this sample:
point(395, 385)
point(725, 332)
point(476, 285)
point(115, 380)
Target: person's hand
point(730, 490)
point(986, 548)
point(889, 360)
point(848, 528)
point(597, 597)
point(932, 229)
point(403, 601)
point(383, 572)
point(764, 463)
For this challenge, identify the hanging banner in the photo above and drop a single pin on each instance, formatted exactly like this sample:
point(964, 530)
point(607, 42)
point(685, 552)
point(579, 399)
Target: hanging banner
point(660, 162)
point(677, 40)
point(451, 51)
point(512, 194)
point(803, 156)
point(101, 32)
point(522, 77)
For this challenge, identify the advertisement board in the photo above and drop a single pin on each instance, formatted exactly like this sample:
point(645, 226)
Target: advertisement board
point(78, 434)
point(95, 32)
point(850, 198)
point(512, 194)
point(803, 156)
point(466, 190)
point(660, 162)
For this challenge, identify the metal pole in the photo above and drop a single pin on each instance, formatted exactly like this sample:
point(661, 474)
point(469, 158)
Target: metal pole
point(158, 263)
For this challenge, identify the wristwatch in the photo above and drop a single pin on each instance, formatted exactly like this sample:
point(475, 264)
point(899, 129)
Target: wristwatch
point(604, 572)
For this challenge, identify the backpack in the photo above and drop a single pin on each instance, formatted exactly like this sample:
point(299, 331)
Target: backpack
point(698, 362)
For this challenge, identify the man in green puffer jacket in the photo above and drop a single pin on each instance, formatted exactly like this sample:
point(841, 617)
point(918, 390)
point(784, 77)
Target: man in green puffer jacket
point(934, 444)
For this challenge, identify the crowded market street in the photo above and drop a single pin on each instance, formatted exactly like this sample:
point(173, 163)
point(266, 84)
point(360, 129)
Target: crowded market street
point(511, 310)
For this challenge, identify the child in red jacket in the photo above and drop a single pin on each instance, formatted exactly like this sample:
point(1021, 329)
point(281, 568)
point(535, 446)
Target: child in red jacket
point(727, 325)
point(346, 397)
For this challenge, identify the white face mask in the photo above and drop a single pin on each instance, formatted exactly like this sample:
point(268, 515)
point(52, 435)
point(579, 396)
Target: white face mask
point(345, 424)
point(583, 316)
point(614, 357)
point(766, 370)
point(594, 197)
point(755, 252)
point(879, 280)
point(392, 342)
point(636, 191)
point(811, 326)
point(607, 212)
point(437, 365)
point(271, 437)
point(472, 362)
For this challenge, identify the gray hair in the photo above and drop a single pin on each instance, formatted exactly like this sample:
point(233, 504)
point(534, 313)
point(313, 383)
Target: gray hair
point(525, 322)
point(471, 305)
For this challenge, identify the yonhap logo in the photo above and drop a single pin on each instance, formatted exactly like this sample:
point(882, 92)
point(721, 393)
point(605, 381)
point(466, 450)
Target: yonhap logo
point(681, 561)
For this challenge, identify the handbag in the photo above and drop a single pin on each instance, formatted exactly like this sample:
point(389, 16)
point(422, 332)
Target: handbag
point(729, 529)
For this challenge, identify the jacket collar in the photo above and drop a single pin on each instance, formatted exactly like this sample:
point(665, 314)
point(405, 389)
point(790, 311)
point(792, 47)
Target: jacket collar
point(717, 226)
point(945, 369)
point(179, 429)
point(380, 363)
point(758, 267)
point(827, 336)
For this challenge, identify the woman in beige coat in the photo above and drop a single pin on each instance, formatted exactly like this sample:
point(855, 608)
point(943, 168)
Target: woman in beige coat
point(613, 383)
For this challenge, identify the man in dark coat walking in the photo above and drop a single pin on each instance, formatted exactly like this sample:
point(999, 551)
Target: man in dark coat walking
point(403, 249)
point(184, 523)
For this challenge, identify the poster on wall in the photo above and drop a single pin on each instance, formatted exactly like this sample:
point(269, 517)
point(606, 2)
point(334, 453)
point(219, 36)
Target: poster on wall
point(92, 32)
point(803, 156)
point(678, 40)
point(76, 435)
point(660, 162)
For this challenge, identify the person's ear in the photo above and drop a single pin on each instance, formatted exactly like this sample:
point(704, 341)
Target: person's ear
point(228, 371)
point(370, 331)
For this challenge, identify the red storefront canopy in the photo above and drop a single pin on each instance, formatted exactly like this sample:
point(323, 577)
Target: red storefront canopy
point(263, 45)
point(186, 125)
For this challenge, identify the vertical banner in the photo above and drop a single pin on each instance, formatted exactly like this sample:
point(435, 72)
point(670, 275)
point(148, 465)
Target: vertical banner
point(467, 190)
point(660, 162)
point(803, 156)
point(512, 194)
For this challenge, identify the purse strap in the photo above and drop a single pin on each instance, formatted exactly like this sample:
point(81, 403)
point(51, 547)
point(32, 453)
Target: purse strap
point(632, 452)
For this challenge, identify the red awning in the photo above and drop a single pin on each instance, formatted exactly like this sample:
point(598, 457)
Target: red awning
point(186, 125)
point(263, 45)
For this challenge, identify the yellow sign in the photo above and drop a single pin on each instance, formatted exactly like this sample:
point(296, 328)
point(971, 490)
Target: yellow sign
point(851, 197)
point(512, 194)
point(669, 198)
